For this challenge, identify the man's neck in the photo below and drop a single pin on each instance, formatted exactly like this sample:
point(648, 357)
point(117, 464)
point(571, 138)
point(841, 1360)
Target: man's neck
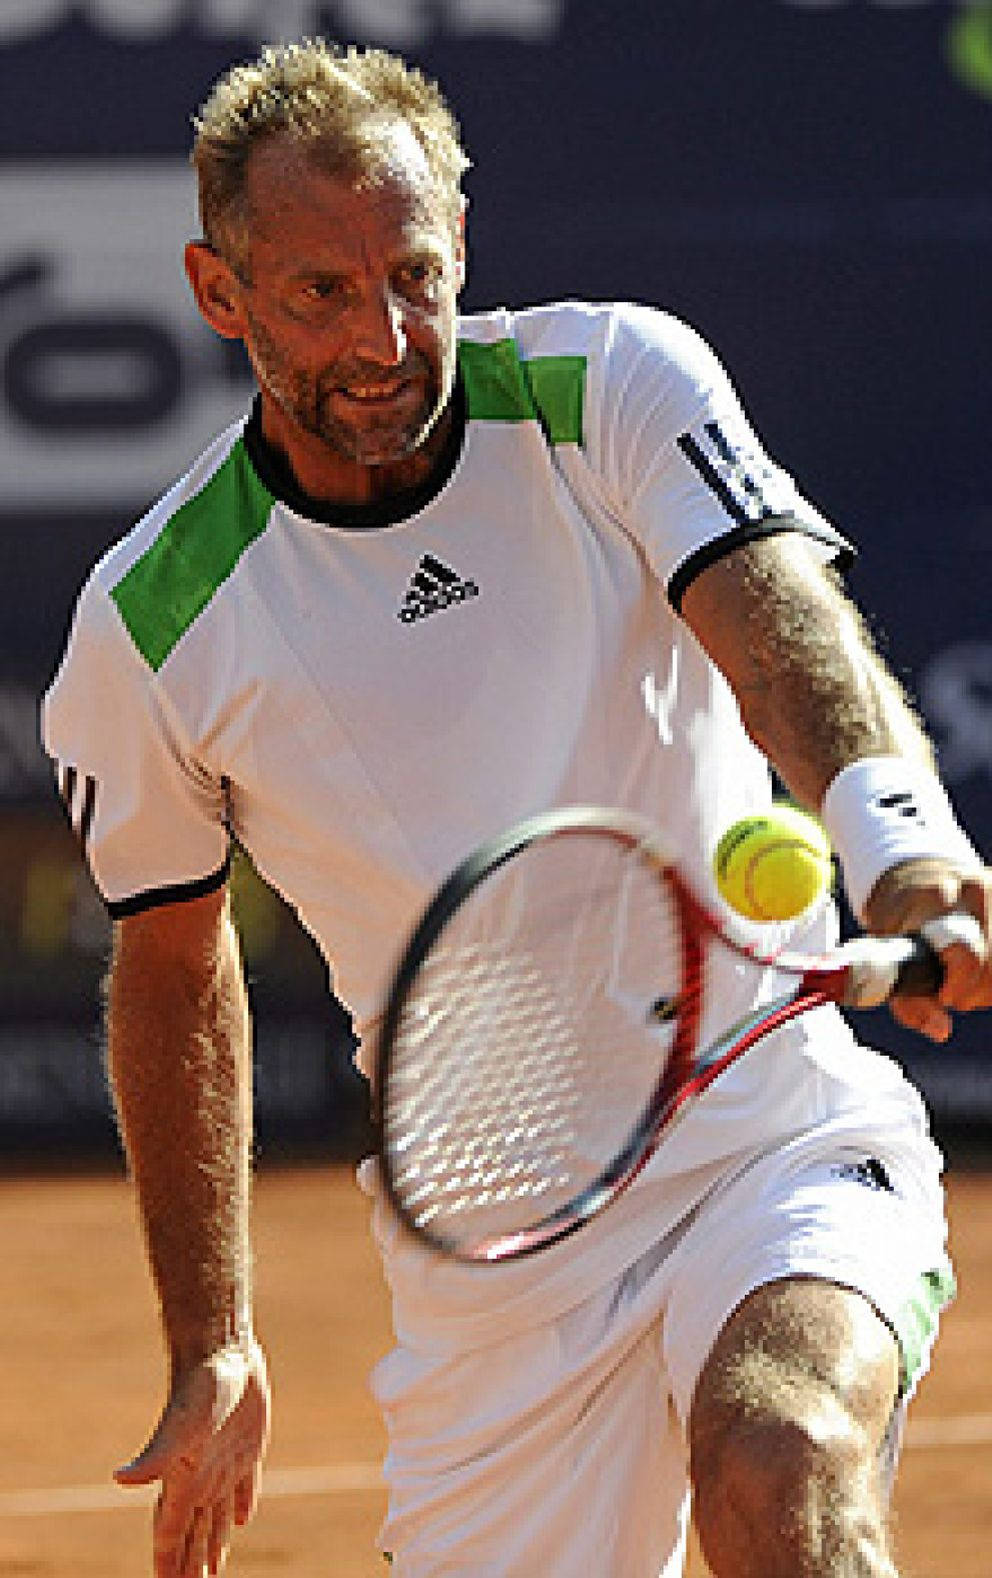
point(394, 499)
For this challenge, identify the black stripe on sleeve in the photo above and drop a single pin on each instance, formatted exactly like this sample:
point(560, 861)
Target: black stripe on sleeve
point(61, 794)
point(88, 807)
point(174, 893)
point(77, 797)
point(771, 526)
point(694, 455)
point(730, 455)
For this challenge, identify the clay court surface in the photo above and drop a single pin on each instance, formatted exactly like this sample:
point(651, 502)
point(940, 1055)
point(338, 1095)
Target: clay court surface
point(82, 1381)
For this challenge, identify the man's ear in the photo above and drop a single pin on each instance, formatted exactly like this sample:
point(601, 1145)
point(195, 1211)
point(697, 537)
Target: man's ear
point(216, 288)
point(460, 257)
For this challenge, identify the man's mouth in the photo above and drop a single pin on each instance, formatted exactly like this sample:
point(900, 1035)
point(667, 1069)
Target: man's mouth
point(373, 394)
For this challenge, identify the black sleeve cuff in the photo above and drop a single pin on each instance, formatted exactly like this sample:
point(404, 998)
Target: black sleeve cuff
point(769, 526)
point(174, 893)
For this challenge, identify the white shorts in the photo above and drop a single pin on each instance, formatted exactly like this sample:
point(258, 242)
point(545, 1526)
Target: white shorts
point(559, 1451)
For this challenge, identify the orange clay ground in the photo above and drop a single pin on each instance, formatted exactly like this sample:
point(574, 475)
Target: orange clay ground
point(82, 1381)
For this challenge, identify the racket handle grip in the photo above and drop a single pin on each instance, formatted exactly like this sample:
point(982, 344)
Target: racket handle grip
point(909, 966)
point(922, 973)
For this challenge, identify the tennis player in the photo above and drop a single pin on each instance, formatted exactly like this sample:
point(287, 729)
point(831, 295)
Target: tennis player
point(446, 573)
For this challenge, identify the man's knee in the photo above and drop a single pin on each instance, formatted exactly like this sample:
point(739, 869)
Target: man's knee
point(789, 1493)
point(786, 1426)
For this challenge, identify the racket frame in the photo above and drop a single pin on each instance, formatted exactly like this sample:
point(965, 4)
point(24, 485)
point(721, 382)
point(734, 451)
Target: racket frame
point(817, 982)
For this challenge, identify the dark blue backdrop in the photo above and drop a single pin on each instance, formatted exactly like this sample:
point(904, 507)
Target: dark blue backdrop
point(808, 182)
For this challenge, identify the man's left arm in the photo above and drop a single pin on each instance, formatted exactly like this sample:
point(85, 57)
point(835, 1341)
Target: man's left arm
point(818, 700)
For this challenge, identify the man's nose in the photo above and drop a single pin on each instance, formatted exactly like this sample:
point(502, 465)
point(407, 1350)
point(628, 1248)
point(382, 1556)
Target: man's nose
point(380, 333)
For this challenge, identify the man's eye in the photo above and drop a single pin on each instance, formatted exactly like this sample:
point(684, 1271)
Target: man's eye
point(420, 274)
point(322, 290)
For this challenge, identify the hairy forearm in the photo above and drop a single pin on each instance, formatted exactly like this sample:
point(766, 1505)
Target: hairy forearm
point(178, 1046)
point(812, 690)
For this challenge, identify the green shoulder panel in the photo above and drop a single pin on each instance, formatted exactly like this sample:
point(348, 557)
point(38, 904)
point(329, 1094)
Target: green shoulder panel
point(166, 590)
point(558, 384)
point(500, 386)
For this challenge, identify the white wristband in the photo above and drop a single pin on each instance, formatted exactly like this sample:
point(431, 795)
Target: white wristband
point(882, 810)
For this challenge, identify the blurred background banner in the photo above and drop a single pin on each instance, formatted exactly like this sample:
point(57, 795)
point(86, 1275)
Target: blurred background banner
point(809, 182)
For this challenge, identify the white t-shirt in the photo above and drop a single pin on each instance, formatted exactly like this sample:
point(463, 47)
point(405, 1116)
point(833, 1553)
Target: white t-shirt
point(360, 702)
point(360, 705)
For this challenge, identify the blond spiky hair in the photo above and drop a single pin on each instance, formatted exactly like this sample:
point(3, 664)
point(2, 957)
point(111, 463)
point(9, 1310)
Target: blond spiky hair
point(331, 100)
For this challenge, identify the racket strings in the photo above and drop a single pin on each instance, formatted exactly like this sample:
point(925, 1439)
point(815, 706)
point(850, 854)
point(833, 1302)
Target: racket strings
point(532, 1040)
point(482, 1101)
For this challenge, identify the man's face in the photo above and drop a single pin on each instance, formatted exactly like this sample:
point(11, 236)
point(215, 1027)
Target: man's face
point(350, 303)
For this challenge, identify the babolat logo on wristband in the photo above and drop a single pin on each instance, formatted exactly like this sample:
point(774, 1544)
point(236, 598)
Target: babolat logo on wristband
point(433, 586)
point(900, 805)
point(882, 810)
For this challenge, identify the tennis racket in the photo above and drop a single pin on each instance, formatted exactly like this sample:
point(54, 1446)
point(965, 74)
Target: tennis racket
point(551, 1018)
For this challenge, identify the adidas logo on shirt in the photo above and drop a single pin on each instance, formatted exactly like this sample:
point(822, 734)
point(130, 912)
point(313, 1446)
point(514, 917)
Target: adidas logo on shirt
point(433, 586)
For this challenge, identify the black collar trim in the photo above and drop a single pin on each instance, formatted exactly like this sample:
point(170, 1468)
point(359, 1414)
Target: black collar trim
point(273, 471)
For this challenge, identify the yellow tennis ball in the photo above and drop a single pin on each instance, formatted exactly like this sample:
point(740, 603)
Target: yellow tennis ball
point(773, 866)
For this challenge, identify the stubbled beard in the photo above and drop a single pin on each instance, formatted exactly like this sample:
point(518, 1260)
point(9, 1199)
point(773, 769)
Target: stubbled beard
point(307, 399)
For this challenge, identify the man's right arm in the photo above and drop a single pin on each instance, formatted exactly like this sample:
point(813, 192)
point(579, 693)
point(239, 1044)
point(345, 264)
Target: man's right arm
point(179, 1057)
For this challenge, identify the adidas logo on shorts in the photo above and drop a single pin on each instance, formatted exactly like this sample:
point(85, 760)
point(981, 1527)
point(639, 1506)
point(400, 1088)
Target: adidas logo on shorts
point(433, 586)
point(870, 1172)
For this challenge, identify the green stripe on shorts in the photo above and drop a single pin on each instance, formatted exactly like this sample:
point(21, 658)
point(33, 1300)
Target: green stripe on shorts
point(916, 1322)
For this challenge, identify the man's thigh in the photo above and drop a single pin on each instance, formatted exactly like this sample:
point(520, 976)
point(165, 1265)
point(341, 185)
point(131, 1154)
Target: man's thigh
point(802, 1312)
point(799, 1341)
point(835, 1215)
point(788, 1428)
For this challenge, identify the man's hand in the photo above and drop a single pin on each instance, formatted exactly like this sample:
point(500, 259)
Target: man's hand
point(207, 1450)
point(915, 892)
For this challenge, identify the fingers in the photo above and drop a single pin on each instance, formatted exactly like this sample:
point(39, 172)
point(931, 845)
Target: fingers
point(180, 1530)
point(965, 986)
point(194, 1564)
point(919, 892)
point(192, 1537)
point(207, 1451)
point(925, 1016)
point(201, 1549)
point(909, 895)
point(246, 1495)
point(968, 968)
point(219, 1542)
point(187, 1559)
